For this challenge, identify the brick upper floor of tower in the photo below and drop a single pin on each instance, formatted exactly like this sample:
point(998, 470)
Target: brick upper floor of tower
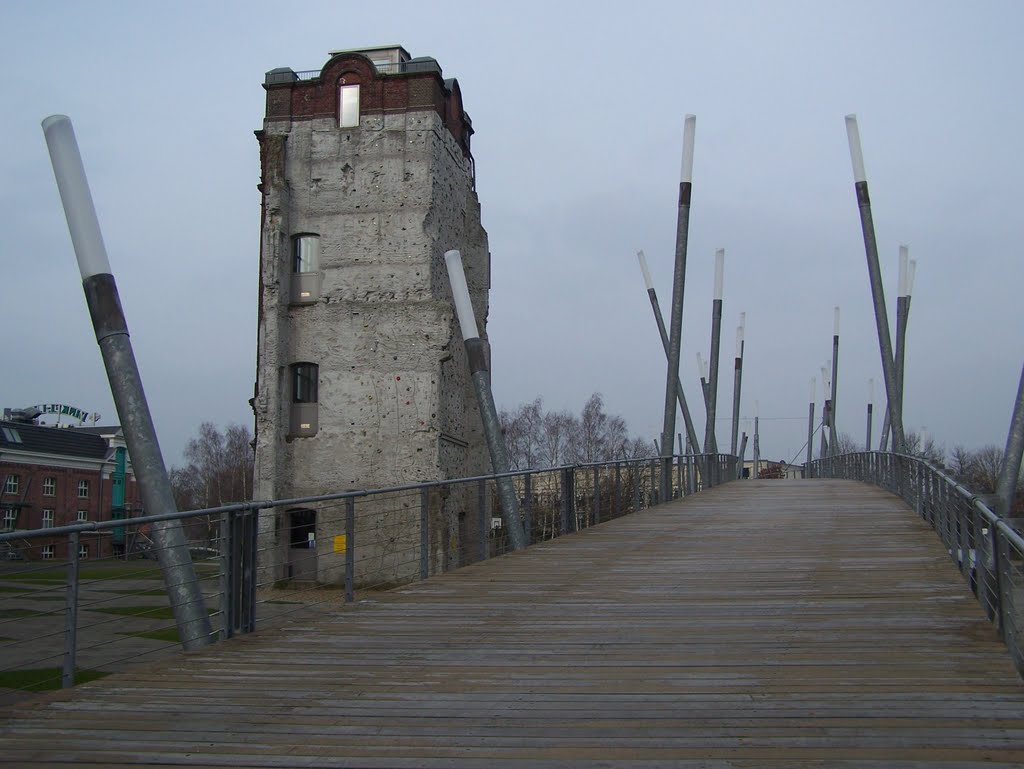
point(368, 81)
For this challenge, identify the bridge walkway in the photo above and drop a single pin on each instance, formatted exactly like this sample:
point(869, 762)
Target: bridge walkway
point(759, 624)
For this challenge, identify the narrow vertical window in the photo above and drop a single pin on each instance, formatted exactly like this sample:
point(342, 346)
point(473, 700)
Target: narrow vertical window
point(83, 489)
point(10, 518)
point(47, 552)
point(304, 382)
point(305, 412)
point(306, 253)
point(82, 516)
point(348, 106)
point(11, 485)
point(83, 551)
point(47, 519)
point(49, 487)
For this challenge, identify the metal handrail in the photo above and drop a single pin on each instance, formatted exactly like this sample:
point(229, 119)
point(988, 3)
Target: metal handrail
point(986, 548)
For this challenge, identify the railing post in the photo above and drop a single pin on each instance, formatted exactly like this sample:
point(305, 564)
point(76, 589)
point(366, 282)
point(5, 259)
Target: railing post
point(350, 549)
point(250, 519)
point(654, 486)
point(597, 495)
point(618, 490)
point(568, 501)
point(636, 486)
point(1007, 603)
point(482, 522)
point(528, 508)
point(424, 532)
point(67, 679)
point(227, 581)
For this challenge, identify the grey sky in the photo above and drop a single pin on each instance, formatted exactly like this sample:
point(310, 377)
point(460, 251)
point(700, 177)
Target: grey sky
point(578, 111)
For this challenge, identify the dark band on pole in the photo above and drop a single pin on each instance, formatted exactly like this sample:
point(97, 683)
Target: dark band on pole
point(477, 356)
point(104, 306)
point(685, 190)
point(862, 193)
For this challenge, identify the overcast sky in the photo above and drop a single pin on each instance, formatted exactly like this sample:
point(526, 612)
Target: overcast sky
point(578, 110)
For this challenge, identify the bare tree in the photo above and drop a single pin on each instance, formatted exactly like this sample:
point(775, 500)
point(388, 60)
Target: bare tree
point(218, 468)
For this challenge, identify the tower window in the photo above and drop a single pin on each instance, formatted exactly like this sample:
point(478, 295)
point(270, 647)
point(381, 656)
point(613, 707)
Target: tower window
point(304, 382)
point(305, 253)
point(348, 106)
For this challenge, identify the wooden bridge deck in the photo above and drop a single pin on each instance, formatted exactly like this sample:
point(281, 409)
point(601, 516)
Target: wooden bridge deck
point(762, 624)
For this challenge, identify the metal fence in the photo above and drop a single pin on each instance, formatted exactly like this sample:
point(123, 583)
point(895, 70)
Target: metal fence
point(79, 601)
point(986, 549)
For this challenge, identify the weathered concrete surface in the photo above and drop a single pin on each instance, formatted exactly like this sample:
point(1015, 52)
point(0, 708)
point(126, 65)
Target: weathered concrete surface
point(395, 400)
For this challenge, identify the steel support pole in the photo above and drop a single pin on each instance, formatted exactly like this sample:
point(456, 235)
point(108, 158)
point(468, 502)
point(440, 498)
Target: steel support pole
point(810, 433)
point(742, 454)
point(902, 318)
point(824, 424)
point(350, 549)
point(737, 383)
point(1006, 485)
point(676, 315)
point(875, 279)
point(867, 441)
point(757, 449)
point(833, 432)
point(183, 591)
point(424, 532)
point(485, 399)
point(659, 320)
point(710, 440)
point(67, 679)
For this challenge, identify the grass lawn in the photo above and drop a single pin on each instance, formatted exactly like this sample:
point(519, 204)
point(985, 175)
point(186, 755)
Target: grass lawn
point(19, 613)
point(168, 634)
point(98, 572)
point(149, 612)
point(43, 679)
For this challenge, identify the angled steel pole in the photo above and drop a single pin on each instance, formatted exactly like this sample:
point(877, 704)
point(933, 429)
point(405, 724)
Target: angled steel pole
point(736, 384)
point(908, 268)
point(810, 423)
point(743, 453)
point(824, 413)
point(757, 449)
point(875, 278)
point(183, 591)
point(488, 412)
point(871, 400)
point(1006, 484)
point(710, 439)
point(833, 432)
point(653, 296)
point(675, 334)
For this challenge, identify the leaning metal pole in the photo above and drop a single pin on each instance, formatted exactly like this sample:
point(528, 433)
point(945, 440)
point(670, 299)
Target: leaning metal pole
point(810, 424)
point(908, 267)
point(710, 439)
point(1006, 485)
point(691, 434)
point(875, 278)
point(871, 400)
point(183, 591)
point(488, 412)
point(824, 413)
point(736, 384)
point(833, 432)
point(757, 449)
point(676, 316)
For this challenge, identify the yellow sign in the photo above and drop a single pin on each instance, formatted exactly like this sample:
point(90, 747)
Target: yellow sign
point(339, 543)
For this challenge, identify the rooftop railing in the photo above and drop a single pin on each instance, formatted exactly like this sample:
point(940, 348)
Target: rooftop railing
point(986, 549)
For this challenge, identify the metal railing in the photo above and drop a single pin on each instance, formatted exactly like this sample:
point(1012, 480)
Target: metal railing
point(385, 68)
point(986, 549)
point(81, 600)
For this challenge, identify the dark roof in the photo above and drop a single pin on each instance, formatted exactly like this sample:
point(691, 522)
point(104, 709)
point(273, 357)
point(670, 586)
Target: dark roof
point(64, 441)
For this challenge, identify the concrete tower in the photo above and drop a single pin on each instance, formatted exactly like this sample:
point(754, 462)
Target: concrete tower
point(361, 376)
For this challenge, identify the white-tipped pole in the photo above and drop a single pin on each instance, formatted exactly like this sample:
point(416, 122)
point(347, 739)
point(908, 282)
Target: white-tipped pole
point(824, 376)
point(719, 273)
point(689, 130)
point(856, 156)
point(911, 272)
point(702, 367)
point(901, 289)
point(871, 390)
point(835, 322)
point(460, 293)
point(69, 171)
point(814, 389)
point(743, 322)
point(643, 268)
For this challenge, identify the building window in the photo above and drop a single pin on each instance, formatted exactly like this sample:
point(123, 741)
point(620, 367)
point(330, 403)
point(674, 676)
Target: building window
point(304, 382)
point(11, 486)
point(305, 253)
point(83, 551)
point(348, 106)
point(10, 518)
point(83, 489)
point(47, 552)
point(49, 487)
point(82, 516)
point(47, 519)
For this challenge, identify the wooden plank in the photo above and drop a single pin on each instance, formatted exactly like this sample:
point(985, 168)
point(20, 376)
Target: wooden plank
point(768, 623)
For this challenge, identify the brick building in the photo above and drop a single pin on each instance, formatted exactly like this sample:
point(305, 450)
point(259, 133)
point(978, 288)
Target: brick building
point(52, 476)
point(362, 380)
